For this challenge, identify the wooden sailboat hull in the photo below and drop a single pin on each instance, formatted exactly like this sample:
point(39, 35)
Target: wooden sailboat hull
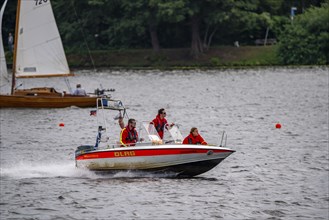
point(17, 101)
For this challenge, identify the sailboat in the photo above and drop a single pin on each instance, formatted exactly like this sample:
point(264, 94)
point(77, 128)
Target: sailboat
point(38, 52)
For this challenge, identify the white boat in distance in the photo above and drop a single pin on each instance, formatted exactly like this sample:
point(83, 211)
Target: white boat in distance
point(153, 155)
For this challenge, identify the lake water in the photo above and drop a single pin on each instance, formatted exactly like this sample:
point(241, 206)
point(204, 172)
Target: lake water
point(274, 173)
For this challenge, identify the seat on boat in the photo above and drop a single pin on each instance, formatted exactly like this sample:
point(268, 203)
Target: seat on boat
point(155, 139)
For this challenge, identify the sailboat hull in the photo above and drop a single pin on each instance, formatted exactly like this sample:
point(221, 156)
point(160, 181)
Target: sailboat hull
point(18, 101)
point(178, 160)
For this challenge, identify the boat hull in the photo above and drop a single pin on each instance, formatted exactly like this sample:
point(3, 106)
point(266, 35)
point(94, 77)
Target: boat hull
point(17, 101)
point(180, 160)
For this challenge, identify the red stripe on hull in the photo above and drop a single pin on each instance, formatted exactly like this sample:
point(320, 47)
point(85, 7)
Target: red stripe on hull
point(145, 152)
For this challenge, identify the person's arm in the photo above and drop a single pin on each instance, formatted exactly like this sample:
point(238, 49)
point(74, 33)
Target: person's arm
point(168, 126)
point(202, 140)
point(154, 122)
point(121, 123)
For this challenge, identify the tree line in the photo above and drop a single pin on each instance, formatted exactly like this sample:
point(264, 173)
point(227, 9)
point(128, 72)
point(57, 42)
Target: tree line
point(156, 24)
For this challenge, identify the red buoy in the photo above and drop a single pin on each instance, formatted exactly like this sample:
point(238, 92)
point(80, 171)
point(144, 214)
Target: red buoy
point(278, 126)
point(61, 124)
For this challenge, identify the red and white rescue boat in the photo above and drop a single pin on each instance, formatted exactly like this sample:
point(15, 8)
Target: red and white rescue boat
point(167, 156)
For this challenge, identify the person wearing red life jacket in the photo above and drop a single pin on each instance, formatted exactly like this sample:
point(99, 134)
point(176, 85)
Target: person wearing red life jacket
point(129, 135)
point(160, 123)
point(194, 138)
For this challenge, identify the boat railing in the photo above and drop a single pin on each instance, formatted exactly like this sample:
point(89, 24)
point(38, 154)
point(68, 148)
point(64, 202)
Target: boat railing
point(111, 104)
point(223, 139)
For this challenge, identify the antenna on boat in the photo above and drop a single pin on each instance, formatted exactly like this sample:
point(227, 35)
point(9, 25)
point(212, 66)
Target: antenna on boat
point(221, 142)
point(225, 140)
point(84, 37)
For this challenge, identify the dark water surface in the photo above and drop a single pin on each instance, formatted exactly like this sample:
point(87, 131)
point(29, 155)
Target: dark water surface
point(274, 173)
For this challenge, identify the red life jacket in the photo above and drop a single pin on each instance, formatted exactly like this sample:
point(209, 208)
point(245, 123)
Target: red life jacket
point(160, 125)
point(128, 137)
point(190, 139)
point(132, 135)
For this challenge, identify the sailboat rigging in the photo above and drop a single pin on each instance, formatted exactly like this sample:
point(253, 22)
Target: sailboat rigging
point(39, 52)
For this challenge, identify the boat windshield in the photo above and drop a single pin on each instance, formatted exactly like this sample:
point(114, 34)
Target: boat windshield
point(149, 133)
point(172, 135)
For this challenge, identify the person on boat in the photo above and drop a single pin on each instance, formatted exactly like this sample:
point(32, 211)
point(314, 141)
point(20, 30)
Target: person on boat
point(79, 91)
point(129, 135)
point(194, 137)
point(160, 122)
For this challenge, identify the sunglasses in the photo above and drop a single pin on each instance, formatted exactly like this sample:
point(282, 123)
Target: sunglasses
point(164, 113)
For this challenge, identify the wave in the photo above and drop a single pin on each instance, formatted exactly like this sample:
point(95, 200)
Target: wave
point(25, 170)
point(43, 170)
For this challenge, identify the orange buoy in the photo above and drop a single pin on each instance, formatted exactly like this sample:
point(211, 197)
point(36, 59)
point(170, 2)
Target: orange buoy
point(61, 124)
point(278, 126)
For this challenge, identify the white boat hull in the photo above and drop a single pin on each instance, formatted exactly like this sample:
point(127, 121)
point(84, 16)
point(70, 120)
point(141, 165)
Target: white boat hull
point(182, 160)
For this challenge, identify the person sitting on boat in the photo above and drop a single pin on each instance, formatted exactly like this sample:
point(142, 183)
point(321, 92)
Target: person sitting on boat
point(194, 137)
point(129, 135)
point(160, 123)
point(79, 91)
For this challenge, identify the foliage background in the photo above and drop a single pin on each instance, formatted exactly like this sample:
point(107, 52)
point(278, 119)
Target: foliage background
point(197, 25)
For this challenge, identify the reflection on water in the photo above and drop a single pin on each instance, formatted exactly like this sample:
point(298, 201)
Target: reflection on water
point(274, 173)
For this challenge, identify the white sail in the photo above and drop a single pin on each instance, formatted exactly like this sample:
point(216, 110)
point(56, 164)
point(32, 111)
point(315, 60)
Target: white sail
point(3, 63)
point(39, 51)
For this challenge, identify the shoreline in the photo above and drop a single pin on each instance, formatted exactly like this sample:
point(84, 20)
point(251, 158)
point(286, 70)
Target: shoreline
point(220, 57)
point(177, 58)
point(98, 69)
point(116, 68)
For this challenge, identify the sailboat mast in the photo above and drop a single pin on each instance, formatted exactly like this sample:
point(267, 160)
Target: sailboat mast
point(13, 81)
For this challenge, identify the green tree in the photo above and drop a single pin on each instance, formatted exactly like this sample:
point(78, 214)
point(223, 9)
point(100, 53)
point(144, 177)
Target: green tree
point(86, 23)
point(143, 17)
point(203, 18)
point(305, 41)
point(106, 24)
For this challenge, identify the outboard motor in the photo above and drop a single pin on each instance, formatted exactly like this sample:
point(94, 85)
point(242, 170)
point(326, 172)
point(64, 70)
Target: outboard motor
point(101, 92)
